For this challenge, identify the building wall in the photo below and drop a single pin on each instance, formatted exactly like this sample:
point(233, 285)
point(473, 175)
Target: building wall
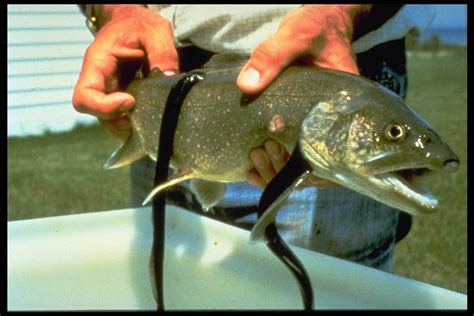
point(45, 46)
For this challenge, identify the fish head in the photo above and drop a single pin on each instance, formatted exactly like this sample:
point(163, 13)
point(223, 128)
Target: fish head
point(369, 140)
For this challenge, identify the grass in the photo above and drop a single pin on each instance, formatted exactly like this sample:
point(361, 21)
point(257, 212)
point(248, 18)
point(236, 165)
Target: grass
point(59, 174)
point(435, 251)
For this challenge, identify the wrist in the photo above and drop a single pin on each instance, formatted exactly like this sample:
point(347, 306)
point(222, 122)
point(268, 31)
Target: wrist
point(345, 17)
point(355, 11)
point(106, 12)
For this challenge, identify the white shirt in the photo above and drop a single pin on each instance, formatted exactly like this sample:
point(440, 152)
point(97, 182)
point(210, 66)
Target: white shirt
point(240, 28)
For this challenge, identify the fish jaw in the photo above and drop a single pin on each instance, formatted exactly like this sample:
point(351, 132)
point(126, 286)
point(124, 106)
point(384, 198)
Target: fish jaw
point(403, 188)
point(407, 182)
point(405, 191)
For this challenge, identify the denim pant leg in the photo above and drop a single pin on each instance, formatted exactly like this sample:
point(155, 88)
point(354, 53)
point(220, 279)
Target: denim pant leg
point(334, 221)
point(354, 227)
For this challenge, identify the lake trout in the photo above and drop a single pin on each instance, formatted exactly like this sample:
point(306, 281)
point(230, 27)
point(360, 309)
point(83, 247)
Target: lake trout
point(351, 131)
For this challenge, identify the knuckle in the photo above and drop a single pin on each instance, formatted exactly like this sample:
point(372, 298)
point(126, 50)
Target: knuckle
point(267, 52)
point(91, 50)
point(77, 102)
point(275, 150)
point(166, 25)
point(259, 158)
point(167, 54)
point(278, 51)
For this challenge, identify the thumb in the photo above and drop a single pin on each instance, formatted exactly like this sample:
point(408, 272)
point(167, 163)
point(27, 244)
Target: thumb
point(268, 60)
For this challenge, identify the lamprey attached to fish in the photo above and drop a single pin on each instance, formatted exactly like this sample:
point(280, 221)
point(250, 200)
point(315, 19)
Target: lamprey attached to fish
point(339, 127)
point(165, 152)
point(351, 131)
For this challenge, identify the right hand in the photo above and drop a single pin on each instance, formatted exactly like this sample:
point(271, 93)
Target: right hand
point(132, 33)
point(318, 35)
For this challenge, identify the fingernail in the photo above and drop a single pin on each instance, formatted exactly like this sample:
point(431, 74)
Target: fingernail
point(250, 77)
point(169, 73)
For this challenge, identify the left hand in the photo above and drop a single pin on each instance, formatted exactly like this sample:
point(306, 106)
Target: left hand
point(268, 160)
point(320, 35)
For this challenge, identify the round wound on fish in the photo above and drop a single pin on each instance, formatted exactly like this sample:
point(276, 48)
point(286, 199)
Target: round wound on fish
point(276, 124)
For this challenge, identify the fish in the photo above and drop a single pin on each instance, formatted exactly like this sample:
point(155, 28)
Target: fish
point(352, 131)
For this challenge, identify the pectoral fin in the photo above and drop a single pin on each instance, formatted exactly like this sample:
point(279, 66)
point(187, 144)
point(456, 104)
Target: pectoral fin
point(177, 178)
point(258, 231)
point(130, 151)
point(208, 193)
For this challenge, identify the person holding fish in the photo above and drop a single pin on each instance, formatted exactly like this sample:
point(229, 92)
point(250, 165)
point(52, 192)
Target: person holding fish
point(366, 40)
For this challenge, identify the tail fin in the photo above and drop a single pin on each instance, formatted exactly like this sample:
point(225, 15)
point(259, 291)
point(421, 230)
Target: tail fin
point(130, 151)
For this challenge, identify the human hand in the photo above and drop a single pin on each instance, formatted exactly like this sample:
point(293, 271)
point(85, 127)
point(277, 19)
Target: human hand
point(268, 160)
point(319, 35)
point(131, 33)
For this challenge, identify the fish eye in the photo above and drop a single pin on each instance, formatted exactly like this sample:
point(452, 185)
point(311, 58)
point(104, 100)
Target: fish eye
point(395, 132)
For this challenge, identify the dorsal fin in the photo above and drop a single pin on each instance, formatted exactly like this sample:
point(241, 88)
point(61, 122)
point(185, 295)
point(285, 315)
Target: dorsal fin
point(226, 60)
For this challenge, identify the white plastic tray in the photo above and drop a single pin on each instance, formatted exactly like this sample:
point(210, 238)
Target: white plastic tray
point(99, 261)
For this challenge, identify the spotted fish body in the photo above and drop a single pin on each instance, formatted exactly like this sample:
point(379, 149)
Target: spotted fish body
point(216, 131)
point(351, 130)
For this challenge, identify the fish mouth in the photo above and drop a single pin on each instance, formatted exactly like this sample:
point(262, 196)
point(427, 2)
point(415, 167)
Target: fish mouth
point(408, 189)
point(386, 178)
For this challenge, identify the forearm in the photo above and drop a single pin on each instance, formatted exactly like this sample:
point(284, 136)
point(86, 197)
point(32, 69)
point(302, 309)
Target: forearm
point(356, 11)
point(351, 15)
point(361, 18)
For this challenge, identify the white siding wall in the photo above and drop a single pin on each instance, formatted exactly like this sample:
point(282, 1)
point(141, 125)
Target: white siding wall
point(46, 44)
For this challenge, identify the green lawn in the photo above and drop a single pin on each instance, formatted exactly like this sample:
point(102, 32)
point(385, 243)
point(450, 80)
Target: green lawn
point(60, 174)
point(435, 251)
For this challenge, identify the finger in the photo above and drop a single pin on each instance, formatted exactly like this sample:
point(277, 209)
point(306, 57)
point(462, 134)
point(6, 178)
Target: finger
point(262, 164)
point(101, 63)
point(104, 106)
point(320, 183)
point(254, 178)
point(119, 127)
point(277, 153)
point(268, 60)
point(90, 91)
point(159, 45)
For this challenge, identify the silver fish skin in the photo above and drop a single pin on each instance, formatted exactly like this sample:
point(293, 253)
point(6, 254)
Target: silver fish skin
point(351, 130)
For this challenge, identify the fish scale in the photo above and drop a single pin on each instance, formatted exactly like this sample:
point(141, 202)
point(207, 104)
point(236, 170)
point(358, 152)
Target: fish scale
point(340, 121)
